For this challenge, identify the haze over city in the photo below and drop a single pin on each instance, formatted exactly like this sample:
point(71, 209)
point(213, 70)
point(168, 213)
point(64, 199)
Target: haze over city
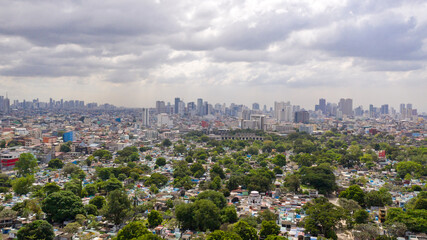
point(132, 53)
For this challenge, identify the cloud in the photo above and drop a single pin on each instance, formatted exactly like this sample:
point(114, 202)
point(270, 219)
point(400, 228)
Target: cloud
point(238, 45)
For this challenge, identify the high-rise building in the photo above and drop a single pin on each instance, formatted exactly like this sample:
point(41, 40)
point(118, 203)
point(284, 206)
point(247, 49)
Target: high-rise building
point(358, 111)
point(409, 110)
point(283, 111)
point(402, 110)
point(177, 100)
point(384, 109)
point(68, 136)
point(145, 117)
point(200, 107)
point(1, 103)
point(302, 117)
point(322, 105)
point(160, 107)
point(346, 106)
point(255, 106)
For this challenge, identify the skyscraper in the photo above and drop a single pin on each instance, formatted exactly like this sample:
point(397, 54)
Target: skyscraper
point(322, 105)
point(177, 100)
point(200, 107)
point(302, 117)
point(346, 106)
point(255, 106)
point(384, 109)
point(145, 117)
point(160, 107)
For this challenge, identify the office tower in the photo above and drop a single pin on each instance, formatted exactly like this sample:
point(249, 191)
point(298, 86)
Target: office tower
point(371, 111)
point(191, 106)
point(205, 108)
point(402, 110)
point(245, 114)
point(181, 107)
point(409, 110)
point(302, 117)
point(68, 136)
point(160, 107)
point(6, 104)
point(200, 107)
point(1, 103)
point(255, 106)
point(177, 100)
point(384, 109)
point(283, 111)
point(346, 106)
point(358, 111)
point(145, 117)
point(322, 105)
point(259, 121)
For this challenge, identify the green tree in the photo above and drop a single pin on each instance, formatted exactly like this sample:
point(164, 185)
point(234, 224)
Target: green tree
point(26, 164)
point(322, 218)
point(361, 216)
point(409, 167)
point(74, 186)
point(267, 215)
point(55, 163)
point(91, 209)
point(91, 189)
point(132, 230)
point(269, 228)
point(65, 147)
point(200, 215)
point(197, 170)
point(22, 185)
point(378, 198)
point(245, 231)
point(354, 192)
point(274, 237)
point(118, 206)
point(179, 149)
point(155, 218)
point(157, 179)
point(216, 170)
point(149, 236)
point(206, 215)
point(221, 235)
point(280, 160)
point(214, 196)
point(72, 227)
point(98, 201)
point(161, 161)
point(185, 215)
point(49, 188)
point(320, 177)
point(229, 214)
point(38, 229)
point(71, 169)
point(166, 143)
point(292, 183)
point(62, 205)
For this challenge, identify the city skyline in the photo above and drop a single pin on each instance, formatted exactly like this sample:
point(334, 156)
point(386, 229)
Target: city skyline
point(370, 51)
point(345, 104)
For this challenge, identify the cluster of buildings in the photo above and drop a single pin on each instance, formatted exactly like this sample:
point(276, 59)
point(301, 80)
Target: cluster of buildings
point(84, 129)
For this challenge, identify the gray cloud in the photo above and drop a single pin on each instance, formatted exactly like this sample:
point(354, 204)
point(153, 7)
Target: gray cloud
point(234, 44)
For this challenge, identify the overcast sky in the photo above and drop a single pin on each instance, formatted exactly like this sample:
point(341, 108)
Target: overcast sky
point(134, 52)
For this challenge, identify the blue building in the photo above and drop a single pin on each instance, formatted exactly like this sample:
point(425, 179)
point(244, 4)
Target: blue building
point(68, 136)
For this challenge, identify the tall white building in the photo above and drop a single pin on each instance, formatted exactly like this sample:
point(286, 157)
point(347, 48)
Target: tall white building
point(145, 117)
point(283, 111)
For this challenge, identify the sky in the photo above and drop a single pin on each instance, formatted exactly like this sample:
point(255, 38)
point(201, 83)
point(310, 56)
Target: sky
point(134, 52)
